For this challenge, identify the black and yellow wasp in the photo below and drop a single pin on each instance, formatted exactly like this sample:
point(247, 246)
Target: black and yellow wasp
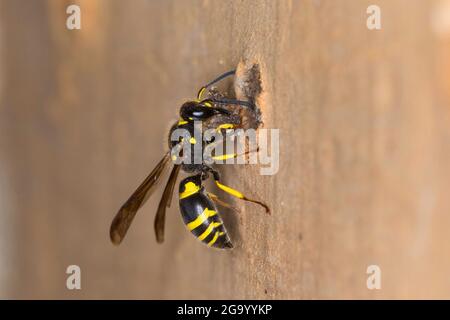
point(197, 206)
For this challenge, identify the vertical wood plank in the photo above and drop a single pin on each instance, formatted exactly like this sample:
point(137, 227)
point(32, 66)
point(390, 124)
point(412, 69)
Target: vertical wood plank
point(363, 118)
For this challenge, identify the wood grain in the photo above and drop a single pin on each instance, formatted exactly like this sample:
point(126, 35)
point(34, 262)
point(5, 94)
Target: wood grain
point(364, 134)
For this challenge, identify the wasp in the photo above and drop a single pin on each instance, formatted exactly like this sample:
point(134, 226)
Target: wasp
point(197, 206)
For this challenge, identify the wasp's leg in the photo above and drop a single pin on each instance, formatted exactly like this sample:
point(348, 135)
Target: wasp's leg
point(224, 128)
point(203, 89)
point(217, 200)
point(226, 101)
point(214, 93)
point(211, 145)
point(233, 155)
point(234, 192)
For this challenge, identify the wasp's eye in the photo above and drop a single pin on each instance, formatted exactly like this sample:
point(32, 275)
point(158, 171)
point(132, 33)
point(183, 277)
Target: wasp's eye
point(198, 114)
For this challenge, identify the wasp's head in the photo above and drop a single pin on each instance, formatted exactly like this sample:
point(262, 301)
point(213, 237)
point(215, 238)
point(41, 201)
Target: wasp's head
point(193, 110)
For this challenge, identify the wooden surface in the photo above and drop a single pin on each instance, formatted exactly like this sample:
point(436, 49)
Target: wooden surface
point(364, 159)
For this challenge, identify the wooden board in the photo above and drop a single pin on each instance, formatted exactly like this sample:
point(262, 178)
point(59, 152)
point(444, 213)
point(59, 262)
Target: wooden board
point(364, 159)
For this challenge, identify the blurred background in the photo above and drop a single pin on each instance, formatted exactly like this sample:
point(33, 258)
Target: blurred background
point(364, 156)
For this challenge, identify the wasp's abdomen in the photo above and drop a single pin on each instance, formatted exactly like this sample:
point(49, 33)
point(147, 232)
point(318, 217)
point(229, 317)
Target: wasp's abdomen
point(201, 216)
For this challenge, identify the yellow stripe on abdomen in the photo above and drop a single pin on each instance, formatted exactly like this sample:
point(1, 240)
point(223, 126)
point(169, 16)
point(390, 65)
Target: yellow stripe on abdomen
point(216, 235)
point(201, 218)
point(209, 230)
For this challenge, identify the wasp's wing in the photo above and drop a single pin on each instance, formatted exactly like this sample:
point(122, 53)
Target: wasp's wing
point(166, 198)
point(125, 216)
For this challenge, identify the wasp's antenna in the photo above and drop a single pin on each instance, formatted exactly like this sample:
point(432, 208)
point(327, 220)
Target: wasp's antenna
point(203, 89)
